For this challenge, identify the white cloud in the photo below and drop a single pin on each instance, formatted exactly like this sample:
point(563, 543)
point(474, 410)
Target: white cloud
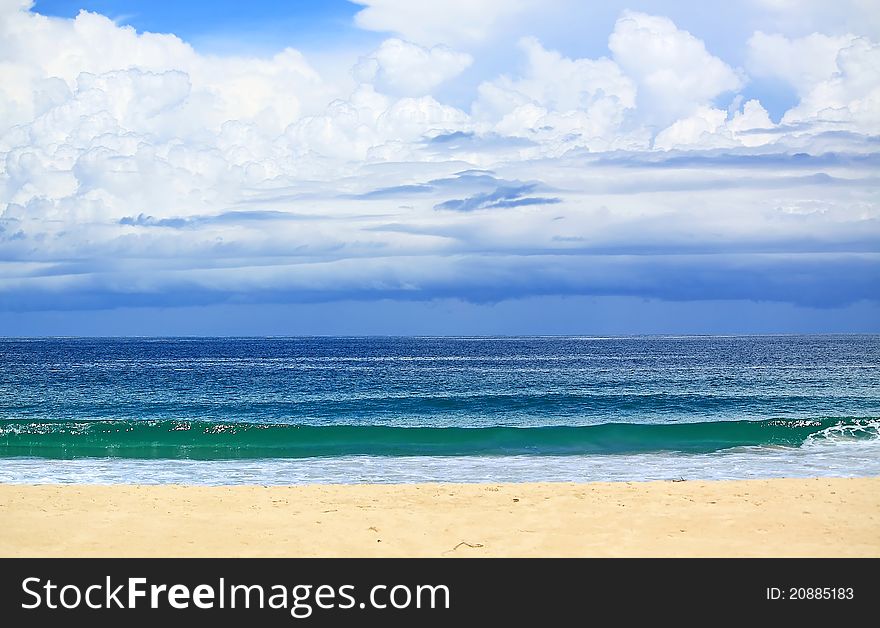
point(750, 120)
point(409, 119)
point(659, 75)
point(850, 99)
point(801, 17)
point(837, 78)
point(801, 62)
point(675, 73)
point(350, 130)
point(154, 166)
point(564, 84)
point(430, 22)
point(560, 101)
point(692, 131)
point(278, 90)
point(403, 68)
point(714, 128)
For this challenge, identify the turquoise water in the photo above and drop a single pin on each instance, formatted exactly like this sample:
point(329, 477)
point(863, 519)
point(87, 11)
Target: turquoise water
point(218, 441)
point(278, 410)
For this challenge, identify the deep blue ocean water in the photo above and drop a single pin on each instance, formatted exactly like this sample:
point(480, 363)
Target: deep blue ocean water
point(289, 410)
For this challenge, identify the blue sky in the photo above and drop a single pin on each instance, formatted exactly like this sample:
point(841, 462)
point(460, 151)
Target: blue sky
point(447, 167)
point(230, 25)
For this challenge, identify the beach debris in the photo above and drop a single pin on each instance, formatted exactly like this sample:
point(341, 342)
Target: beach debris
point(466, 544)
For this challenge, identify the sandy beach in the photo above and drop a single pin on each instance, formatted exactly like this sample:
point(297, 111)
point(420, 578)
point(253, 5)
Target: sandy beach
point(782, 517)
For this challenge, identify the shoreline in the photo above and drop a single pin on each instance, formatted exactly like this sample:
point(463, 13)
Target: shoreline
point(777, 517)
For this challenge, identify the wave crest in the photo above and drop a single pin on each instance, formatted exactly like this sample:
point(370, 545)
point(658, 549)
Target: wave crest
point(169, 439)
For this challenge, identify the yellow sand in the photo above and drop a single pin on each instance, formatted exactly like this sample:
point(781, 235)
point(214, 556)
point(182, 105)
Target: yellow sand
point(785, 517)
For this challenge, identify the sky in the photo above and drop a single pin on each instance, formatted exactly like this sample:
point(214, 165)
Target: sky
point(441, 167)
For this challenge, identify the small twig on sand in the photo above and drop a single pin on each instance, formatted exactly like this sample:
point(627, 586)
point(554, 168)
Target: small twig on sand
point(465, 543)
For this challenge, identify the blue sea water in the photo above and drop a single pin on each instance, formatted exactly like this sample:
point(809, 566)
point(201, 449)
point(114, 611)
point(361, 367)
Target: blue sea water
point(334, 409)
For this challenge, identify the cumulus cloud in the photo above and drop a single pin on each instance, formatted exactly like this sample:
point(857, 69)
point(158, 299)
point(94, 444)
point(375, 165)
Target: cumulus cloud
point(372, 126)
point(560, 101)
point(675, 73)
point(796, 17)
point(802, 62)
point(400, 67)
point(135, 169)
point(709, 127)
point(438, 21)
point(837, 78)
point(659, 76)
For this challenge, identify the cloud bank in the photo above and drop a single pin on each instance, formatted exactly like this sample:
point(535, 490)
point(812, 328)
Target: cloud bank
point(136, 170)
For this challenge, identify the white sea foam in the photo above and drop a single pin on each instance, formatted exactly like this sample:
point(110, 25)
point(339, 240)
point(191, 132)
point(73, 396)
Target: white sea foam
point(842, 431)
point(836, 454)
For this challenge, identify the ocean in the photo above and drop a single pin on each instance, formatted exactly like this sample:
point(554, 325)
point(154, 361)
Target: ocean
point(424, 409)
